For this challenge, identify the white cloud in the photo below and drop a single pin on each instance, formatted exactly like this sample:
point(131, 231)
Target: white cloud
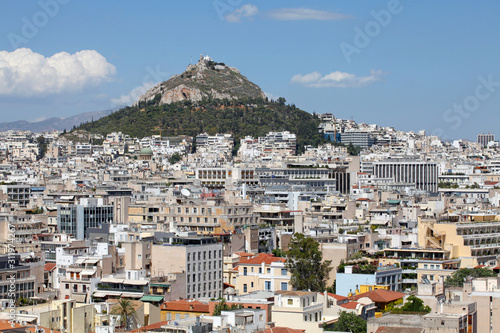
point(337, 79)
point(26, 73)
point(247, 11)
point(300, 14)
point(133, 95)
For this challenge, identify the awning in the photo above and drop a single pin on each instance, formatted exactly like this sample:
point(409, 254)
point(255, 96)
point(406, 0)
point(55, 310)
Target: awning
point(151, 298)
point(88, 272)
point(132, 295)
point(100, 294)
point(379, 222)
point(92, 260)
point(80, 261)
point(111, 280)
point(136, 282)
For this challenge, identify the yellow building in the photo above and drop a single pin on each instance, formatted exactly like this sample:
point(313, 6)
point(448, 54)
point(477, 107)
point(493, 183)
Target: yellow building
point(364, 288)
point(476, 243)
point(262, 272)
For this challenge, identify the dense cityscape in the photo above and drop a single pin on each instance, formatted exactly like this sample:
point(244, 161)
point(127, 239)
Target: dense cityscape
point(145, 187)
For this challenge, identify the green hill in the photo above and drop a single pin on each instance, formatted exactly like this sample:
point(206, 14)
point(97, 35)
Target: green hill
point(209, 97)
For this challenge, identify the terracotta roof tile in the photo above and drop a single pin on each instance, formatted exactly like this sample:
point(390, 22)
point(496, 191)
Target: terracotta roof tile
point(261, 258)
point(350, 305)
point(379, 296)
point(185, 306)
point(49, 267)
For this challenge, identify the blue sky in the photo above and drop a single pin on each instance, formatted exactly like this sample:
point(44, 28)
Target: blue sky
point(408, 64)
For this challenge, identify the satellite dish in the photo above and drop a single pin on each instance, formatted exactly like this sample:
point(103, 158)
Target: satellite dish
point(185, 192)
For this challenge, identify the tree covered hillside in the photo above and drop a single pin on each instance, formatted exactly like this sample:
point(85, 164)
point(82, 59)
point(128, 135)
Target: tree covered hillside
point(255, 117)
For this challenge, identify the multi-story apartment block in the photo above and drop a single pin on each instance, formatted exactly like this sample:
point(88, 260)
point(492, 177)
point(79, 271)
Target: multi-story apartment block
point(298, 309)
point(15, 194)
point(90, 213)
point(15, 278)
point(262, 272)
point(199, 257)
point(476, 243)
point(81, 278)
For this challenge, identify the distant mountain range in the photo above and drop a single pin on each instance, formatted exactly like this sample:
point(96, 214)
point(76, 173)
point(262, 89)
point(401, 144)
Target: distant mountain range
point(55, 123)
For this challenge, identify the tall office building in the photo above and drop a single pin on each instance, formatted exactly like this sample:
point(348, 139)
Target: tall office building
point(484, 139)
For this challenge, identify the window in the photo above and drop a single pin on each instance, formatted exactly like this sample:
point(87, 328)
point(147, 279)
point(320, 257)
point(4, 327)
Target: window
point(268, 271)
point(169, 316)
point(244, 271)
point(283, 272)
point(284, 286)
point(425, 265)
point(177, 316)
point(251, 284)
point(260, 270)
point(245, 289)
point(67, 286)
point(290, 301)
point(267, 285)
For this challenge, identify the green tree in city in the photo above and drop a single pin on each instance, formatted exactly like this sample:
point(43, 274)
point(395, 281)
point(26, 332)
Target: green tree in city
point(349, 322)
point(305, 263)
point(458, 277)
point(415, 304)
point(176, 157)
point(223, 306)
point(127, 313)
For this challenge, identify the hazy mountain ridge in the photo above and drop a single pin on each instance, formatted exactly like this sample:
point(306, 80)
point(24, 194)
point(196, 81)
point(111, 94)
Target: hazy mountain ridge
point(54, 123)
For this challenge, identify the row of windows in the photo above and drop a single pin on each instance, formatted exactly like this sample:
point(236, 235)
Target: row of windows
point(204, 276)
point(267, 286)
point(204, 286)
point(204, 254)
point(204, 266)
point(268, 271)
point(197, 219)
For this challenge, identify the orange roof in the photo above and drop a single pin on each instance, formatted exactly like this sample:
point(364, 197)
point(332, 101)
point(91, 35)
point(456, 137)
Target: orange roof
point(185, 306)
point(379, 296)
point(5, 325)
point(261, 258)
point(49, 267)
point(480, 266)
point(350, 305)
point(281, 330)
point(245, 254)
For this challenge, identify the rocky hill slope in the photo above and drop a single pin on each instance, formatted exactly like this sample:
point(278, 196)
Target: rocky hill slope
point(205, 80)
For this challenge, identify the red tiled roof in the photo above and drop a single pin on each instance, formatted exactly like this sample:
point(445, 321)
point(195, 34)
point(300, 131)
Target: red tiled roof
point(261, 258)
point(350, 305)
point(185, 306)
point(281, 330)
point(5, 325)
point(379, 296)
point(480, 266)
point(49, 267)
